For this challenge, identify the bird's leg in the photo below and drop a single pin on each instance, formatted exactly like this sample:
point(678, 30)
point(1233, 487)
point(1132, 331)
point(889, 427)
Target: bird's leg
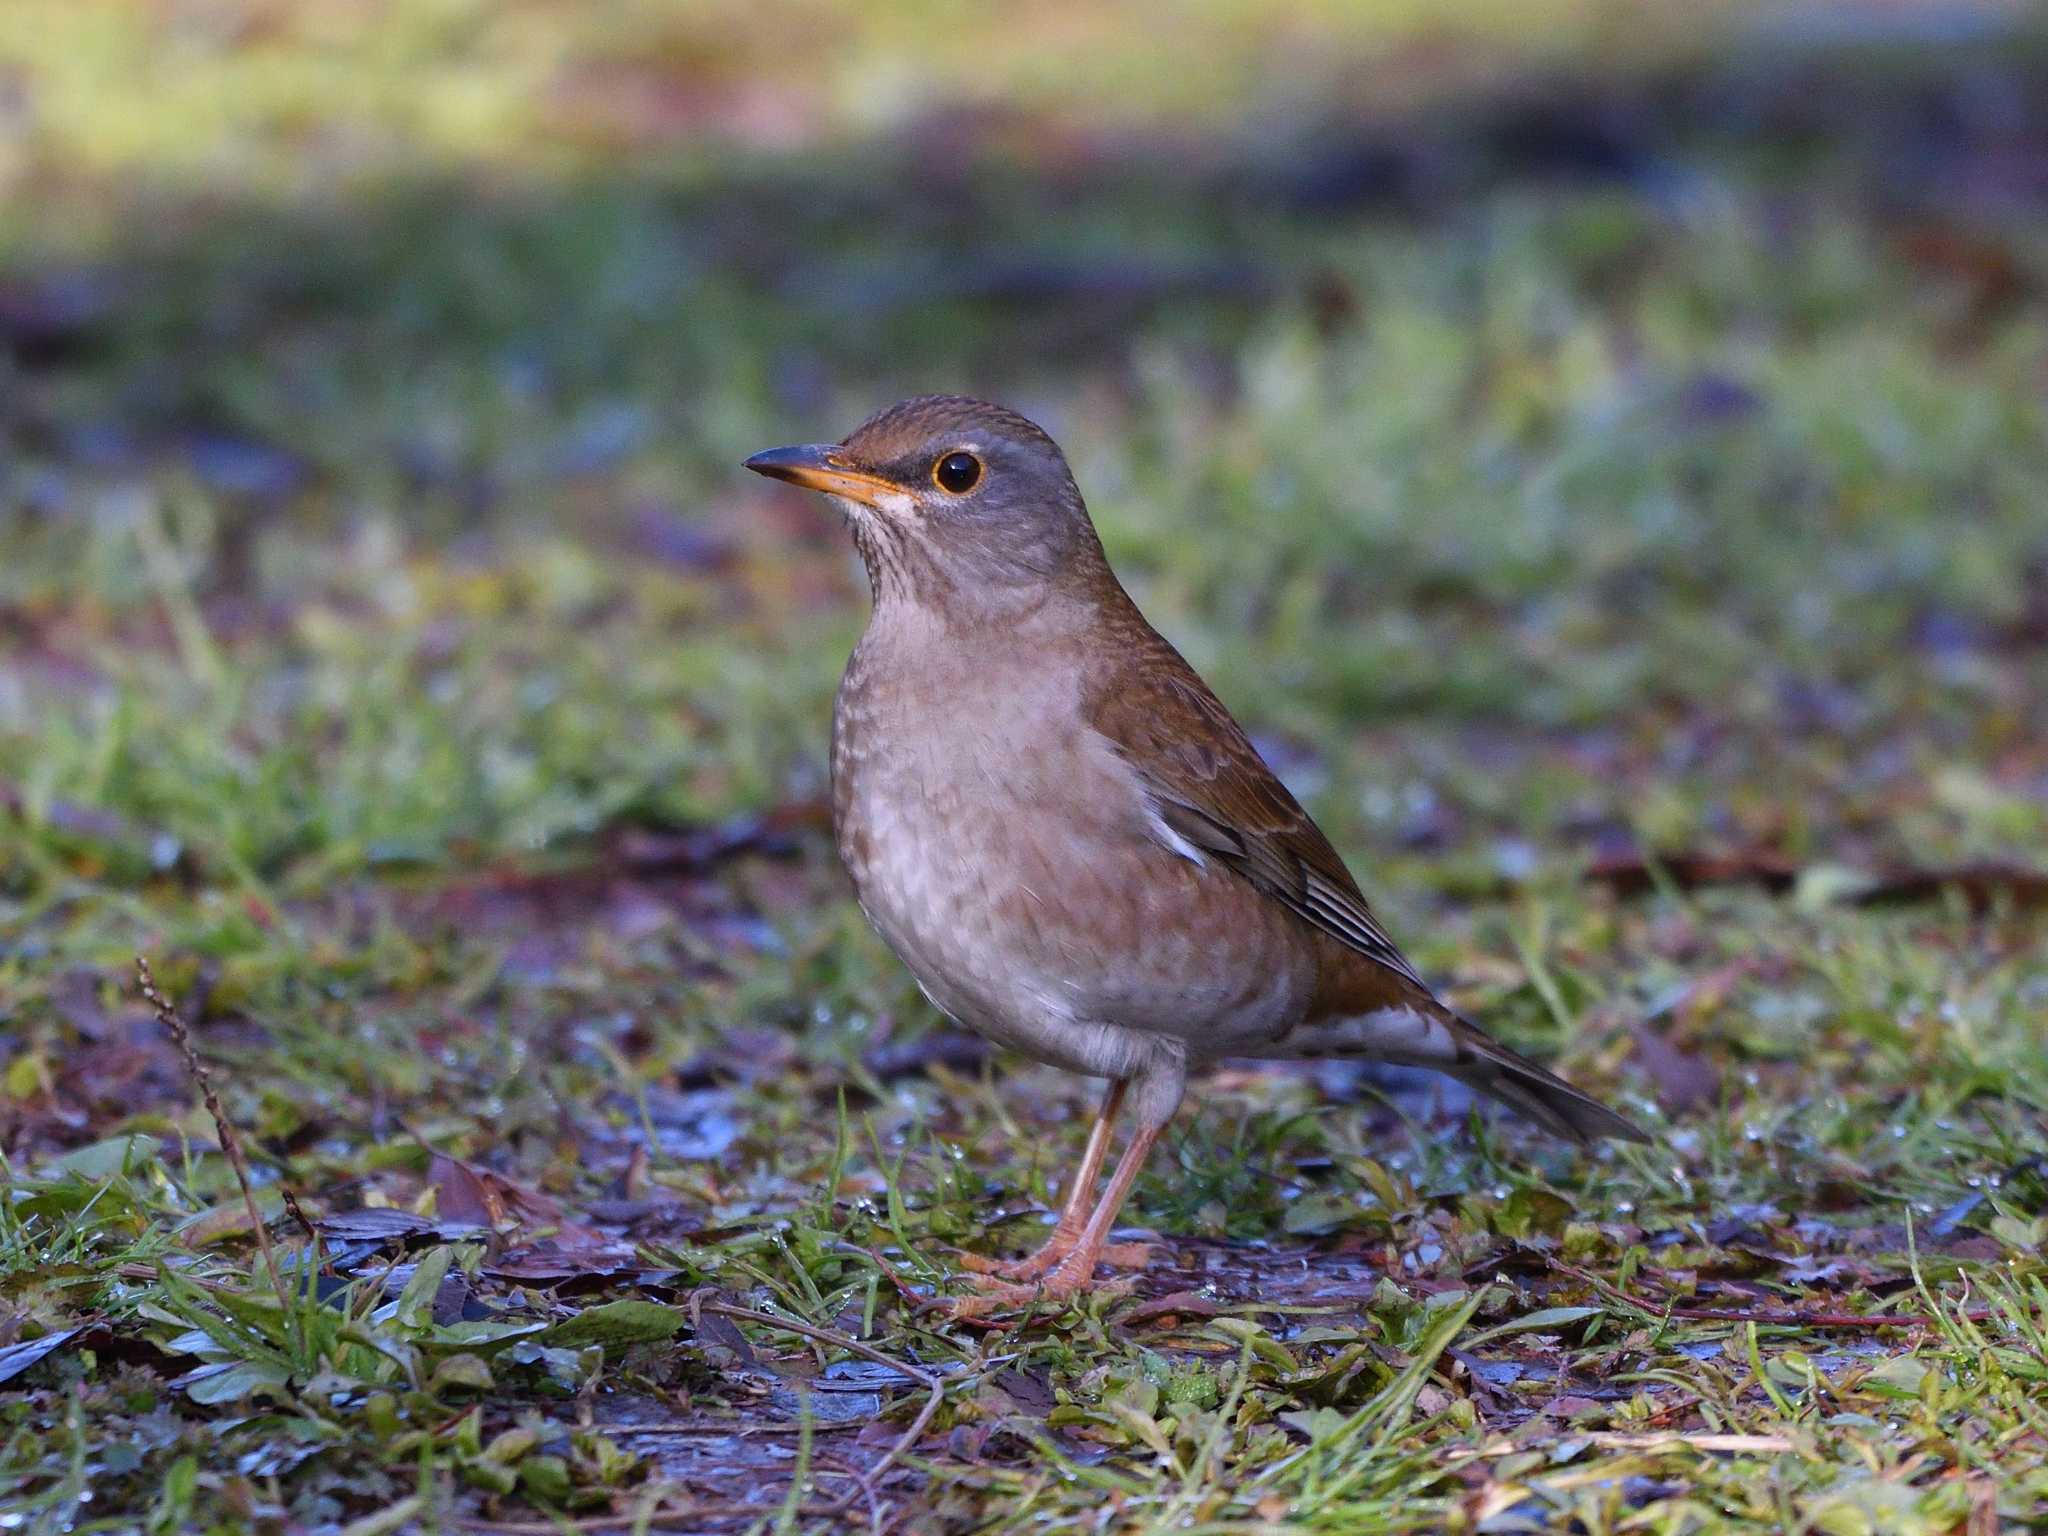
point(1073, 1211)
point(1077, 1269)
point(1075, 1272)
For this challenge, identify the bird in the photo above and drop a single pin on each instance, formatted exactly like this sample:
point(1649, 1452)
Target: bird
point(1065, 836)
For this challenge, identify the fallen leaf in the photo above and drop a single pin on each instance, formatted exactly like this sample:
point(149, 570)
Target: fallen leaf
point(614, 1324)
point(460, 1193)
point(1569, 1406)
point(1685, 1079)
point(379, 1224)
point(1632, 872)
point(16, 1358)
point(1176, 1305)
point(1549, 1320)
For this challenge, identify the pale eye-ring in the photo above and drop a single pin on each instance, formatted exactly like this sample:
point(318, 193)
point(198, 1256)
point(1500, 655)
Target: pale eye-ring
point(957, 473)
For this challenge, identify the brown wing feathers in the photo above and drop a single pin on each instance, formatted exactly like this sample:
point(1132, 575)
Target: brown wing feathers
point(1210, 788)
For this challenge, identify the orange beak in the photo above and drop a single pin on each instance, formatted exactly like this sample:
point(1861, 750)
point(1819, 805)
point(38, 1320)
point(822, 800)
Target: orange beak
point(821, 467)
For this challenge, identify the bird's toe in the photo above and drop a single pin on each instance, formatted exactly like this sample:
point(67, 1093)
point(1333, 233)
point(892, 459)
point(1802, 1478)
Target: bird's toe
point(1029, 1267)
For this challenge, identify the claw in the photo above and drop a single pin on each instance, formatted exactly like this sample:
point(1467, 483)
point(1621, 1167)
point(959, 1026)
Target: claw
point(991, 1282)
point(1030, 1267)
point(1067, 1281)
point(969, 1309)
point(1065, 1266)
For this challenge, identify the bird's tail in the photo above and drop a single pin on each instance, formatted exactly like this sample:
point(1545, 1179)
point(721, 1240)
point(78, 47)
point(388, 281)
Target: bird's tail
point(1420, 1031)
point(1489, 1067)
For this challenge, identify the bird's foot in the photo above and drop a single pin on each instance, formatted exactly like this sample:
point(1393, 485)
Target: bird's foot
point(1066, 1279)
point(1030, 1267)
point(990, 1274)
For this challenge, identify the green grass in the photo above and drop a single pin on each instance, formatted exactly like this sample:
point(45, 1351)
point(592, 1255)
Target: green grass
point(384, 621)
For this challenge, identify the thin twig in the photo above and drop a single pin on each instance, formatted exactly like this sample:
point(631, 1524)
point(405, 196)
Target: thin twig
point(298, 1214)
point(230, 1143)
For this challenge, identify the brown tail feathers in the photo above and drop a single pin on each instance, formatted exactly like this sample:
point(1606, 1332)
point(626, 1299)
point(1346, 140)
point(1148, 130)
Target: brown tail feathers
point(1492, 1069)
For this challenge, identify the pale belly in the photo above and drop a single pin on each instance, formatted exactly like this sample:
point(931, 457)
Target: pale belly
point(1031, 907)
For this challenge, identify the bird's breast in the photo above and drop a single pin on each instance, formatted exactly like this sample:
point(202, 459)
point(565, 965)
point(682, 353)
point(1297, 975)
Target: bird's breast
point(1002, 849)
point(938, 808)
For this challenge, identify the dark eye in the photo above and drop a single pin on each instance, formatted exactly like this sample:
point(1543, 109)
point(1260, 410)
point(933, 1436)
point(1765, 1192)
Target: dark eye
point(957, 473)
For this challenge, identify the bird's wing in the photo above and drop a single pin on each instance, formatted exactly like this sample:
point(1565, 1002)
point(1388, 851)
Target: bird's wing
point(1216, 799)
point(1210, 789)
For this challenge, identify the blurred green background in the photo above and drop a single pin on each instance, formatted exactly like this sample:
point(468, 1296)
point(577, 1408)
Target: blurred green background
point(1563, 365)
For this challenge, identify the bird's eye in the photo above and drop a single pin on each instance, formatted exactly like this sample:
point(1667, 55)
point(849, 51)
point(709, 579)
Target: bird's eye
point(957, 473)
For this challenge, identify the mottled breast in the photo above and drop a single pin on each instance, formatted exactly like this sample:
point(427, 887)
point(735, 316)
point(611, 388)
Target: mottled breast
point(1004, 851)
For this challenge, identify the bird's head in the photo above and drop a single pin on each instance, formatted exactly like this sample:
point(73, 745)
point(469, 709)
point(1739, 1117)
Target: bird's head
point(952, 500)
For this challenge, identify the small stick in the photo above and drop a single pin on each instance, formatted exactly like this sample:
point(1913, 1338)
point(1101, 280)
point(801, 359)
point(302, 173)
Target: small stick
point(230, 1143)
point(298, 1213)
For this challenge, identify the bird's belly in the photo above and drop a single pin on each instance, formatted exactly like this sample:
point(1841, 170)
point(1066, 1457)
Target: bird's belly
point(1072, 941)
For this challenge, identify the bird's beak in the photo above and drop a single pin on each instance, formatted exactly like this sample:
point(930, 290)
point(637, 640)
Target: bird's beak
point(821, 467)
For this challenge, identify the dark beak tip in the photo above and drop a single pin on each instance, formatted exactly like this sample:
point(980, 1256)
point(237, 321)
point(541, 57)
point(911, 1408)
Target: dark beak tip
point(783, 463)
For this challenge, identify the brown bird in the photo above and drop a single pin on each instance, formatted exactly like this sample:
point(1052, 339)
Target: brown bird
point(1064, 834)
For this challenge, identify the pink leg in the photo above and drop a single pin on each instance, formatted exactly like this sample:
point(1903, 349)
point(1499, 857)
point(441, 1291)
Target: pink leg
point(1073, 1210)
point(1076, 1272)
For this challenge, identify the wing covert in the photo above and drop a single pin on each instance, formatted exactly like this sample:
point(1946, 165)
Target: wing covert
point(1209, 786)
